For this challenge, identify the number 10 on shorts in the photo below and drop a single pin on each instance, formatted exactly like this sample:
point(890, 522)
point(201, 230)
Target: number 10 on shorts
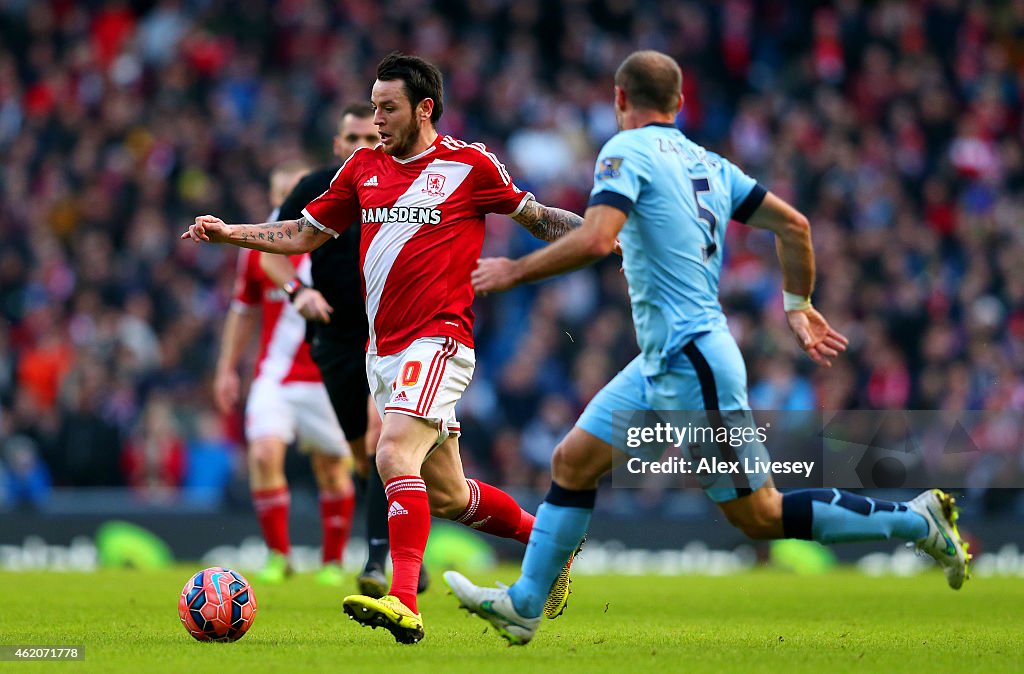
point(410, 373)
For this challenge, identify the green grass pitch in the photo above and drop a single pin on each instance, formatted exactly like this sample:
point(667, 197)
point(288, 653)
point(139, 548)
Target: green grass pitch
point(762, 621)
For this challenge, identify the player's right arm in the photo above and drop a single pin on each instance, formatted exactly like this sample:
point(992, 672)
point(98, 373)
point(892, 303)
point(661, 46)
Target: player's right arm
point(287, 237)
point(326, 216)
point(239, 325)
point(796, 256)
point(309, 302)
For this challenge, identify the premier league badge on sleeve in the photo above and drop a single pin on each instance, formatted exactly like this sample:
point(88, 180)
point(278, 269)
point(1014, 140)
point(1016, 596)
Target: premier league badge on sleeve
point(608, 168)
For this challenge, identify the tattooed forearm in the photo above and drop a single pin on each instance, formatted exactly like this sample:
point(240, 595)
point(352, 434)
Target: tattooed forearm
point(286, 237)
point(269, 231)
point(547, 223)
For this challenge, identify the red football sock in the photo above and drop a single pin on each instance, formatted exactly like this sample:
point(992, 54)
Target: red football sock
point(336, 522)
point(493, 511)
point(271, 507)
point(408, 528)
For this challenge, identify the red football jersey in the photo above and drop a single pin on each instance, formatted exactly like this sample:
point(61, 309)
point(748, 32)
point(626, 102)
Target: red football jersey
point(422, 233)
point(284, 355)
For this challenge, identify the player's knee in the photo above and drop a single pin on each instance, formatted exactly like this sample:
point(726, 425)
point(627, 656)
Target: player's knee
point(762, 520)
point(331, 474)
point(372, 436)
point(391, 459)
point(568, 472)
point(752, 527)
point(266, 459)
point(562, 470)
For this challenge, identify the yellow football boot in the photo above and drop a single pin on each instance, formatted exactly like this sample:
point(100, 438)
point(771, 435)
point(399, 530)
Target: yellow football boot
point(387, 612)
point(558, 597)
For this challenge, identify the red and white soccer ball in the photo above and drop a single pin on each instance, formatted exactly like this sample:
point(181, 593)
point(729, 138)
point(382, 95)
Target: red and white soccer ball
point(217, 604)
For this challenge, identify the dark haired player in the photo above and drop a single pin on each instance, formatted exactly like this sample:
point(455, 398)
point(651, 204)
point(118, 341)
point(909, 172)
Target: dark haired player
point(338, 347)
point(421, 199)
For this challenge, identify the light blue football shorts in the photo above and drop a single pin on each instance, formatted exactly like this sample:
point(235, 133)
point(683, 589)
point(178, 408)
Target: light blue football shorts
point(707, 381)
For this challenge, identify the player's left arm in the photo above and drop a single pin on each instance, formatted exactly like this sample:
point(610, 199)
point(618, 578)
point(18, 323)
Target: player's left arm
point(546, 222)
point(494, 192)
point(792, 232)
point(584, 245)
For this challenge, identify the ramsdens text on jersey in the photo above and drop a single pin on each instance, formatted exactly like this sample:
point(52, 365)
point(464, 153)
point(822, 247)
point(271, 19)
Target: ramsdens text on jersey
point(408, 214)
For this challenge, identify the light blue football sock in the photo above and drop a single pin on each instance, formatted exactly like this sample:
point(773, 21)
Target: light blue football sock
point(834, 516)
point(561, 523)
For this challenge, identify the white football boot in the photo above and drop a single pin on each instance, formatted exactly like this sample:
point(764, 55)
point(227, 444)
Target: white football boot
point(943, 541)
point(494, 605)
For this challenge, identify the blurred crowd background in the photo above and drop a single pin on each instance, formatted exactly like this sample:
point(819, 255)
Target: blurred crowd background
point(895, 126)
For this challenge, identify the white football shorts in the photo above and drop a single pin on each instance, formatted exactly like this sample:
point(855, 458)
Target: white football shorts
point(294, 410)
point(425, 380)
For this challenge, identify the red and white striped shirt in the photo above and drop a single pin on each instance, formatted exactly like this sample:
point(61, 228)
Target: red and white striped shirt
point(422, 233)
point(284, 355)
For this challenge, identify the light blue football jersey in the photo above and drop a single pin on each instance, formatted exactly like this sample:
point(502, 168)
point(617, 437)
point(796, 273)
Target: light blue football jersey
point(679, 199)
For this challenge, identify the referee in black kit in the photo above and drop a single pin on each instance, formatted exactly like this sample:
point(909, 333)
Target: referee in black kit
point(339, 347)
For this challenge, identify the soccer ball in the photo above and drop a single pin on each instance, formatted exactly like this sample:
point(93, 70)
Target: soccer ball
point(217, 604)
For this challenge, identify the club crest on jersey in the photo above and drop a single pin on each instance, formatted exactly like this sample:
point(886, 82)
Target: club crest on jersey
point(609, 168)
point(435, 183)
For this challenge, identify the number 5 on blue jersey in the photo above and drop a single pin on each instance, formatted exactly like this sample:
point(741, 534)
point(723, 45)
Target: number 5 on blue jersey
point(701, 185)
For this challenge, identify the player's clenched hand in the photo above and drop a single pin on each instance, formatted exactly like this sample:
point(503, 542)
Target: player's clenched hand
point(312, 306)
point(207, 228)
point(494, 274)
point(225, 390)
point(821, 342)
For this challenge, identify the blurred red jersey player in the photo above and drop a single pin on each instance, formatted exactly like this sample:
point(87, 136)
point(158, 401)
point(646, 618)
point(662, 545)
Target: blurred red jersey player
point(287, 403)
